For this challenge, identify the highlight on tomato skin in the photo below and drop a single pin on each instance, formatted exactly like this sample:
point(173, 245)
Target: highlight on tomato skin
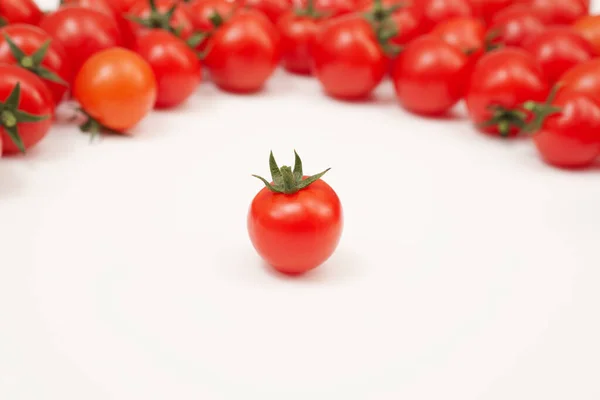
point(295, 222)
point(116, 89)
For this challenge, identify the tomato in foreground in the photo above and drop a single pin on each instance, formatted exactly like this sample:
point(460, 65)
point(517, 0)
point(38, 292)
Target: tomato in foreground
point(33, 49)
point(298, 30)
point(349, 58)
point(558, 49)
point(27, 109)
point(295, 223)
point(175, 66)
point(243, 52)
point(19, 12)
point(116, 88)
point(570, 136)
point(589, 28)
point(583, 78)
point(501, 82)
point(514, 25)
point(82, 32)
point(430, 76)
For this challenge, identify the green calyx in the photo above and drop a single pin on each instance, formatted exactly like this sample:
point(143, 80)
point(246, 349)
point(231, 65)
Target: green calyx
point(288, 181)
point(11, 116)
point(541, 111)
point(158, 20)
point(94, 127)
point(384, 26)
point(310, 11)
point(34, 61)
point(505, 120)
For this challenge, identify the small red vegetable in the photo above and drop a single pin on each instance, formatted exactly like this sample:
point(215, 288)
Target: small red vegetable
point(295, 222)
point(26, 109)
point(175, 65)
point(515, 25)
point(430, 76)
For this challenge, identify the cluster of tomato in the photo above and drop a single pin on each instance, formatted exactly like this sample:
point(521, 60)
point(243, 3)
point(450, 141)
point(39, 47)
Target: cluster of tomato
point(522, 66)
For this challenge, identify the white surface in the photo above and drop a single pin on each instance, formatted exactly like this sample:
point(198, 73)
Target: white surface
point(467, 270)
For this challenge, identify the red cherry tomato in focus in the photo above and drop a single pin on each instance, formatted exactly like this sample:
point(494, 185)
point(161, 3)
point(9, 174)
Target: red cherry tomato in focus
point(589, 28)
point(30, 39)
point(243, 52)
point(35, 99)
point(570, 138)
point(430, 76)
point(347, 58)
point(175, 66)
point(82, 32)
point(558, 49)
point(297, 33)
point(296, 232)
point(20, 12)
point(514, 25)
point(501, 82)
point(117, 88)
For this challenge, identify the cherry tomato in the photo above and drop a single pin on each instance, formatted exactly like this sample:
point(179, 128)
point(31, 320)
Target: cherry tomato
point(486, 9)
point(348, 59)
point(20, 11)
point(27, 109)
point(295, 226)
point(200, 12)
point(558, 49)
point(116, 88)
point(332, 8)
point(436, 11)
point(53, 67)
point(562, 12)
point(501, 82)
point(156, 15)
point(243, 52)
point(272, 9)
point(570, 138)
point(583, 78)
point(82, 32)
point(175, 66)
point(298, 30)
point(467, 34)
point(515, 25)
point(430, 76)
point(408, 19)
point(589, 28)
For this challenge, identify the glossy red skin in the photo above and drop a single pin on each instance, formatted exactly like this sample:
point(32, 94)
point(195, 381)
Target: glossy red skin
point(437, 11)
point(347, 58)
point(297, 35)
point(409, 19)
point(507, 77)
point(176, 67)
point(589, 28)
point(142, 9)
point(332, 8)
point(583, 78)
point(486, 9)
point(30, 38)
point(561, 12)
point(273, 9)
point(20, 11)
point(559, 49)
point(464, 33)
point(98, 5)
point(244, 52)
point(571, 138)
point(199, 13)
point(514, 25)
point(35, 99)
point(430, 76)
point(298, 232)
point(82, 32)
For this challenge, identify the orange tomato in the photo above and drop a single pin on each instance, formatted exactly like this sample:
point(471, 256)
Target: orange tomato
point(589, 28)
point(116, 88)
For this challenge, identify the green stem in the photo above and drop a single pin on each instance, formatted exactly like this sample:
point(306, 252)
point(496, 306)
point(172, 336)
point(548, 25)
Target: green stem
point(8, 119)
point(27, 62)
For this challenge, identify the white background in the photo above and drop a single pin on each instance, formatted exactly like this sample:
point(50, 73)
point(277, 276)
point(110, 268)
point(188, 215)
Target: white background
point(468, 269)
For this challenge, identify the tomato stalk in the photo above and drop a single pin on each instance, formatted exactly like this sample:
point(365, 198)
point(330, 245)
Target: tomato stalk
point(385, 28)
point(158, 20)
point(288, 181)
point(310, 11)
point(34, 61)
point(11, 116)
point(505, 119)
point(541, 111)
point(93, 126)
